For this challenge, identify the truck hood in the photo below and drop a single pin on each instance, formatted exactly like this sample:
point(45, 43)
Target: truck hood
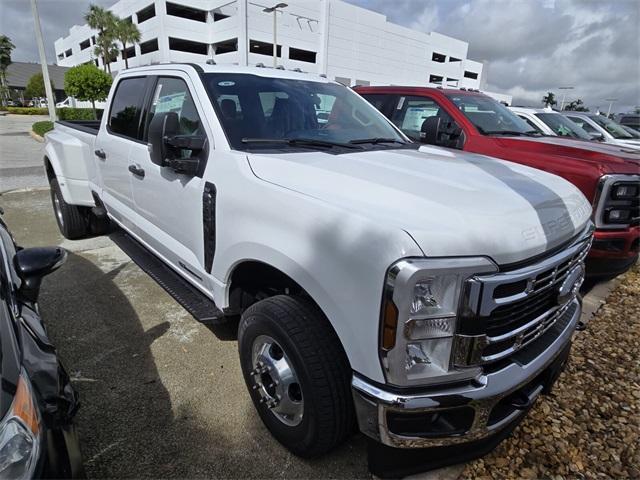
point(451, 203)
point(608, 158)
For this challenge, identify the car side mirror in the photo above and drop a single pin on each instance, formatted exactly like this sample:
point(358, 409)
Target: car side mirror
point(162, 125)
point(429, 130)
point(170, 149)
point(32, 264)
point(597, 136)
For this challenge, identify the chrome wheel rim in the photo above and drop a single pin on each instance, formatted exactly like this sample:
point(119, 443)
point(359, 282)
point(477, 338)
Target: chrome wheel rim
point(275, 381)
point(58, 209)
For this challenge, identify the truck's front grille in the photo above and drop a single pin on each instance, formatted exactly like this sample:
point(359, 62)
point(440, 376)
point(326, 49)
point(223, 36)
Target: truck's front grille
point(512, 309)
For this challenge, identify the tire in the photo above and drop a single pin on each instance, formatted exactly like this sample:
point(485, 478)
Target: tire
point(71, 221)
point(305, 340)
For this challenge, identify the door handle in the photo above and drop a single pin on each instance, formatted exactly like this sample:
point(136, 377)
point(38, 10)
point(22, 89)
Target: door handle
point(101, 154)
point(138, 172)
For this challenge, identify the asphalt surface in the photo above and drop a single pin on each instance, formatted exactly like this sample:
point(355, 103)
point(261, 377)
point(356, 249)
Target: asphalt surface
point(162, 395)
point(20, 156)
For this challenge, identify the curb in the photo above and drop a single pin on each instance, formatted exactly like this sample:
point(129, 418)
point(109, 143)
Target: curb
point(36, 137)
point(23, 190)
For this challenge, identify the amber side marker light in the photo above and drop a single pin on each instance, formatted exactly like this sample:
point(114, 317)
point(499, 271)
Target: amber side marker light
point(24, 408)
point(389, 324)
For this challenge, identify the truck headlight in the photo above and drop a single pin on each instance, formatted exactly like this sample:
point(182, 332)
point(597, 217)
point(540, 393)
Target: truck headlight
point(419, 318)
point(20, 433)
point(617, 201)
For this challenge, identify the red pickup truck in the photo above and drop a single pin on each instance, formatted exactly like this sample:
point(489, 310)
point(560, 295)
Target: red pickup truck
point(468, 120)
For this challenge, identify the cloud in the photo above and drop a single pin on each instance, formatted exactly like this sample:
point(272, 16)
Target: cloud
point(536, 46)
point(56, 17)
point(532, 46)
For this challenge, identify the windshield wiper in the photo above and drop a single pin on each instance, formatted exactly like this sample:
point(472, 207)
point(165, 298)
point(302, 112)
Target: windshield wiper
point(529, 133)
point(375, 140)
point(301, 142)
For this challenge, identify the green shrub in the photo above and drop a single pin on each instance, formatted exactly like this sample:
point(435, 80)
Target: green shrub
point(27, 111)
point(42, 127)
point(77, 113)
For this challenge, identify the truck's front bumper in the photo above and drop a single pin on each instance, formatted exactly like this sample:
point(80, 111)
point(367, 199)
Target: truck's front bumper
point(449, 415)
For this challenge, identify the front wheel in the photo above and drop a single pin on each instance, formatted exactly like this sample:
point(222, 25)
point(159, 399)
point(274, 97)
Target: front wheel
point(297, 374)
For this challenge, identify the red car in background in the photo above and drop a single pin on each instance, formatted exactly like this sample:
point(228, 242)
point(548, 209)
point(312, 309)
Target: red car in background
point(468, 120)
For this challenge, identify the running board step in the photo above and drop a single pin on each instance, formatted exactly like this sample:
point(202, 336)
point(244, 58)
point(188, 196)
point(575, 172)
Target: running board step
point(202, 308)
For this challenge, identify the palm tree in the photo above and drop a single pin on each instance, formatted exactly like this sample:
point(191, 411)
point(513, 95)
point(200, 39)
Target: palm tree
point(107, 49)
point(6, 46)
point(104, 21)
point(126, 32)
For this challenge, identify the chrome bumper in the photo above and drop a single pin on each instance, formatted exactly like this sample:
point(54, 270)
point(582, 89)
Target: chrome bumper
point(373, 404)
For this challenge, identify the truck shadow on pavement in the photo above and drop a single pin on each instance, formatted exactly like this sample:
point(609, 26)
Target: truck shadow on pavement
point(137, 422)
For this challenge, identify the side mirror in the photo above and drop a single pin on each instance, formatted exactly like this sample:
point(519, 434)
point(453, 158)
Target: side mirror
point(163, 124)
point(170, 149)
point(429, 130)
point(32, 264)
point(596, 136)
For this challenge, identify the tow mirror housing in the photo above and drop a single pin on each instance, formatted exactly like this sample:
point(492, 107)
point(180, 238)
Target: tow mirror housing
point(429, 130)
point(32, 264)
point(170, 149)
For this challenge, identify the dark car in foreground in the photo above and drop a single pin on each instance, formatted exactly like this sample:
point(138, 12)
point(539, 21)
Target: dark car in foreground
point(37, 402)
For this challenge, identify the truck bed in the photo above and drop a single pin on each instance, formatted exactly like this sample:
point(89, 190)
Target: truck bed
point(87, 126)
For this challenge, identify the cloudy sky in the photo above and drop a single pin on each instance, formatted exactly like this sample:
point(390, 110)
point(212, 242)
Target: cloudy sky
point(532, 46)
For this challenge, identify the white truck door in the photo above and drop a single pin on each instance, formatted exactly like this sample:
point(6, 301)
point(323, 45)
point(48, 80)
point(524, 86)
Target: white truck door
point(170, 204)
point(118, 134)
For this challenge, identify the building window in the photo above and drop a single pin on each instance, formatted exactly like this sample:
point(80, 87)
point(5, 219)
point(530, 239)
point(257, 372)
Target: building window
point(146, 13)
point(131, 52)
point(344, 81)
point(60, 56)
point(93, 40)
point(226, 46)
point(96, 62)
point(263, 48)
point(129, 19)
point(302, 55)
point(86, 44)
point(189, 13)
point(454, 59)
point(468, 74)
point(68, 53)
point(149, 46)
point(217, 16)
point(438, 57)
point(435, 79)
point(188, 46)
point(363, 83)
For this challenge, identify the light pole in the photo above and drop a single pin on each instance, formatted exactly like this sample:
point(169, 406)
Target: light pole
point(564, 95)
point(51, 102)
point(610, 100)
point(274, 10)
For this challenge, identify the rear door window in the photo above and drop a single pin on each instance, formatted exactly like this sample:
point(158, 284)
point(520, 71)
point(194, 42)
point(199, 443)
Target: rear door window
point(126, 107)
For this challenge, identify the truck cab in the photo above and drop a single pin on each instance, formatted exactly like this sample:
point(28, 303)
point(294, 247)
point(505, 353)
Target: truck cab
point(427, 295)
point(608, 175)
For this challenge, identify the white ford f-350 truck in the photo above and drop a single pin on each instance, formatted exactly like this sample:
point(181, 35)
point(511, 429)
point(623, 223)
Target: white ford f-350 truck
point(425, 295)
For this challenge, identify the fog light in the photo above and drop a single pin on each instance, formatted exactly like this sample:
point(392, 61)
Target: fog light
point(618, 216)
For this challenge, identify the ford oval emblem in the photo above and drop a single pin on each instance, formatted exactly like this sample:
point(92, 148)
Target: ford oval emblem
point(571, 285)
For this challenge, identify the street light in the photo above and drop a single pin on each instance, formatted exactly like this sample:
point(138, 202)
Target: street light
point(610, 100)
point(564, 95)
point(274, 10)
point(51, 101)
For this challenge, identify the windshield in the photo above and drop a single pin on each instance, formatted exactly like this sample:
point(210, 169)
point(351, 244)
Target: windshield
point(610, 126)
point(489, 116)
point(265, 113)
point(562, 126)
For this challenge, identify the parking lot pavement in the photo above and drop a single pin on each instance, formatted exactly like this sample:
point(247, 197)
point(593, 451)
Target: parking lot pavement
point(162, 395)
point(20, 155)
